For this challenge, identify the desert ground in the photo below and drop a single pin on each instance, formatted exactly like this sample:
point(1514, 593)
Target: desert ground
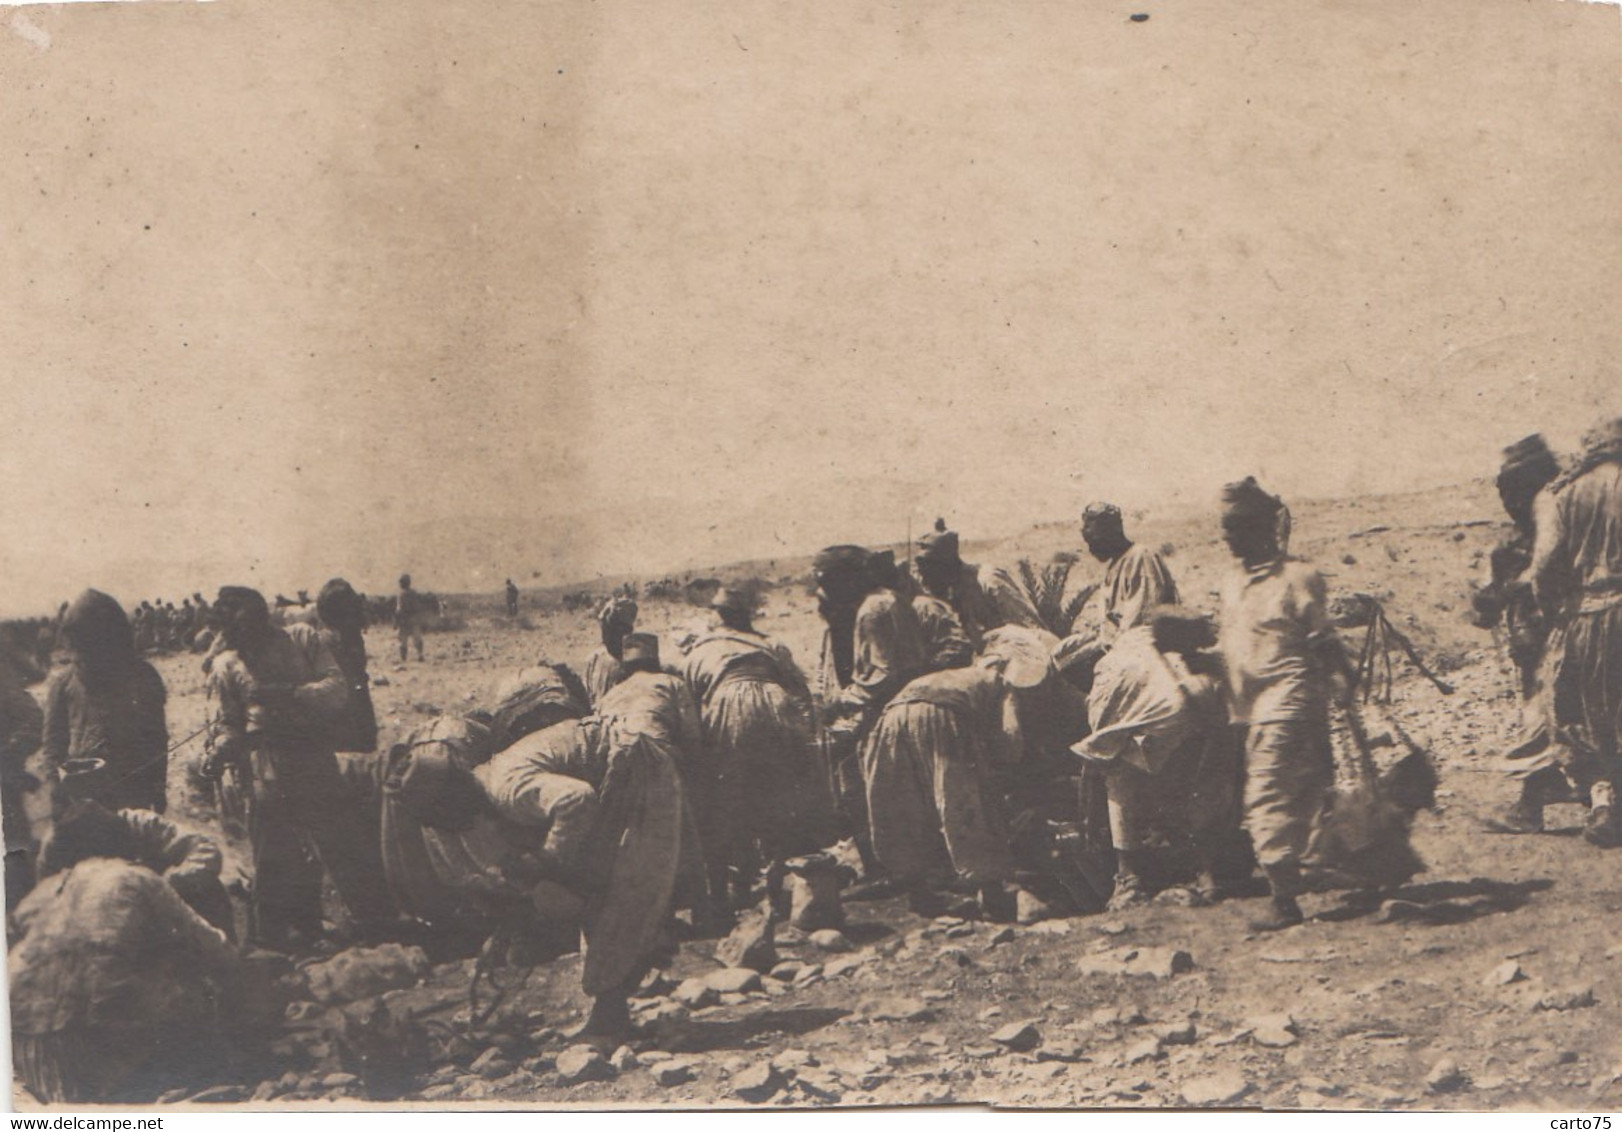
point(1491, 981)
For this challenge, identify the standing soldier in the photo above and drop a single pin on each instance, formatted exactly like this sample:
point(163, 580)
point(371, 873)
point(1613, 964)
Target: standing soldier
point(1528, 468)
point(408, 615)
point(278, 696)
point(983, 597)
point(1279, 649)
point(341, 618)
point(871, 647)
point(512, 600)
point(105, 725)
point(1577, 579)
point(616, 618)
point(1136, 579)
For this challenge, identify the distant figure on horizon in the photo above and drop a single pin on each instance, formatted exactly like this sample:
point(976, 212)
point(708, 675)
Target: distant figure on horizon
point(408, 615)
point(512, 600)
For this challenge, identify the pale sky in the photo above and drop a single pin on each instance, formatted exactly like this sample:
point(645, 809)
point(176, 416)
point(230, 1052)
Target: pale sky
point(543, 289)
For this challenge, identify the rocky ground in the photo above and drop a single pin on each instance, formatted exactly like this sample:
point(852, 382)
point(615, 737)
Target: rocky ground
point(1492, 981)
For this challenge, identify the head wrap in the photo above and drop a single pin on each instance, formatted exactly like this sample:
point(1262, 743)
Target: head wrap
point(96, 628)
point(1603, 442)
point(640, 646)
point(842, 559)
point(405, 581)
point(233, 598)
point(1101, 515)
point(938, 545)
point(732, 598)
point(339, 606)
point(618, 610)
point(1246, 500)
point(1180, 630)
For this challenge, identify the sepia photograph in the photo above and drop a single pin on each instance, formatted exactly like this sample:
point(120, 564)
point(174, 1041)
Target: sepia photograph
point(738, 554)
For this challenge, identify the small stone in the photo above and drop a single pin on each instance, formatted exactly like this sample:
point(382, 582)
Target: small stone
point(1062, 1051)
point(491, 1064)
point(1050, 927)
point(266, 1091)
point(668, 1074)
point(1002, 936)
point(960, 931)
point(899, 1010)
point(339, 1081)
point(981, 1052)
point(1018, 1036)
point(955, 955)
point(624, 1060)
point(1505, 973)
point(1214, 1090)
point(654, 1056)
point(583, 1063)
point(757, 1084)
point(1446, 1077)
point(1146, 1050)
point(819, 1085)
point(935, 995)
point(785, 971)
point(695, 994)
point(218, 1094)
point(807, 975)
point(989, 1013)
point(793, 1060)
point(1319, 1085)
point(733, 980)
point(1113, 927)
point(844, 965)
point(442, 1092)
point(1566, 1000)
point(1276, 1031)
point(751, 944)
point(730, 999)
point(1177, 1034)
point(831, 939)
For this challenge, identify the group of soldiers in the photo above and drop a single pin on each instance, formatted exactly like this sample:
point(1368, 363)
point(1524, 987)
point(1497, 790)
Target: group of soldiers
point(941, 739)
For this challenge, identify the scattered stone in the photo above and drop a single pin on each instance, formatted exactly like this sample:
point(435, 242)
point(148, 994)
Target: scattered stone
point(303, 1011)
point(664, 1010)
point(491, 1064)
point(1018, 1036)
point(1215, 1090)
point(1505, 973)
point(793, 1060)
point(751, 944)
point(1146, 1050)
point(1276, 1031)
point(955, 955)
point(266, 1091)
point(786, 970)
point(1050, 927)
point(757, 1084)
point(583, 1063)
point(1566, 1000)
point(949, 921)
point(1002, 936)
point(819, 1085)
point(813, 892)
point(668, 1074)
point(981, 1052)
point(935, 995)
point(1114, 927)
point(831, 939)
point(807, 975)
point(442, 1092)
point(362, 972)
point(653, 1056)
point(1319, 1085)
point(1446, 1077)
point(733, 980)
point(340, 1081)
point(1066, 1051)
point(218, 1094)
point(624, 1060)
point(844, 965)
point(989, 1013)
point(695, 994)
point(1177, 1034)
point(960, 931)
point(899, 1010)
point(1154, 962)
point(728, 998)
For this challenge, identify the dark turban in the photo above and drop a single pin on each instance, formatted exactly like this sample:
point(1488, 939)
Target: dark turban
point(1246, 500)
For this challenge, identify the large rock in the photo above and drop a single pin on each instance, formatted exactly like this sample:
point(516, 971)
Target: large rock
point(813, 893)
point(362, 972)
point(1216, 1089)
point(582, 1063)
point(828, 939)
point(751, 944)
point(757, 1084)
point(1446, 1077)
point(897, 1009)
point(1018, 1036)
point(668, 1074)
